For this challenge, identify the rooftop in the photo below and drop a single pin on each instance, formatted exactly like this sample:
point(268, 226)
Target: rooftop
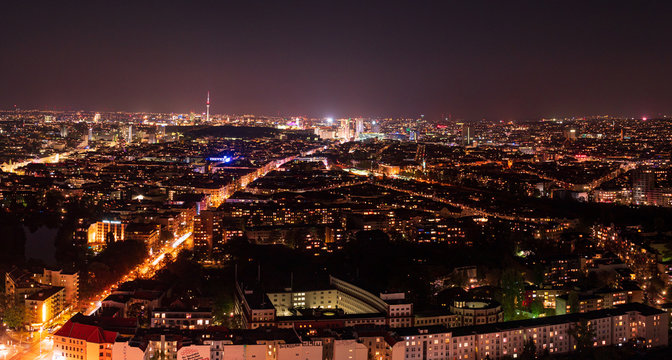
point(45, 293)
point(88, 333)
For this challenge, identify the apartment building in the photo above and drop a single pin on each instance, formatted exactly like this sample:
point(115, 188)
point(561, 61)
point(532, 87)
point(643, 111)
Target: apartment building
point(75, 341)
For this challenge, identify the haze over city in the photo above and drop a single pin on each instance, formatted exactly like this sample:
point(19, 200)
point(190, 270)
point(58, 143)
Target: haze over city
point(476, 59)
point(335, 180)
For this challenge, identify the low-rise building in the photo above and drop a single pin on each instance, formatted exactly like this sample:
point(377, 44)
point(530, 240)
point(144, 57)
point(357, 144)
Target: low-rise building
point(620, 325)
point(611, 326)
point(74, 341)
point(68, 280)
point(476, 312)
point(19, 283)
point(199, 318)
point(339, 303)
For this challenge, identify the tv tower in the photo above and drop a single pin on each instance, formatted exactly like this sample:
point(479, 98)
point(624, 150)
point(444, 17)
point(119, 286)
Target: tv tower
point(207, 108)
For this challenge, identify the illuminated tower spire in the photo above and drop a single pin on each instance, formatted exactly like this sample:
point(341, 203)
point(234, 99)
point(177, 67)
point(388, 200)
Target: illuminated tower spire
point(207, 108)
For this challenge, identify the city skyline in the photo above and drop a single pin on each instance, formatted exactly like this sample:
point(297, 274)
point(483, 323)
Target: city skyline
point(335, 180)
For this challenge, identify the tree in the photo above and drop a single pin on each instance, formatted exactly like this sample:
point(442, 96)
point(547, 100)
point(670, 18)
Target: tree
point(573, 301)
point(54, 200)
point(529, 351)
point(537, 307)
point(513, 288)
point(135, 310)
point(99, 275)
point(655, 287)
point(583, 336)
point(275, 237)
point(109, 238)
point(15, 316)
point(460, 279)
point(296, 238)
point(222, 307)
point(396, 236)
point(13, 244)
point(538, 273)
point(445, 213)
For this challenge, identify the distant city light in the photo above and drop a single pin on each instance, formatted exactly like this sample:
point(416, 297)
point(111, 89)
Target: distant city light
point(330, 120)
point(225, 159)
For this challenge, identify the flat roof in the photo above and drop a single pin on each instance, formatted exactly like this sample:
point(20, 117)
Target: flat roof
point(45, 293)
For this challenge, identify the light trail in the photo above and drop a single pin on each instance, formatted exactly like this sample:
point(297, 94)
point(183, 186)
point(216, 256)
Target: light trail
point(97, 306)
point(156, 261)
point(181, 239)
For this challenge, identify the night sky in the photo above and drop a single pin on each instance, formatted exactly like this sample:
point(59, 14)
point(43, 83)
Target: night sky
point(472, 59)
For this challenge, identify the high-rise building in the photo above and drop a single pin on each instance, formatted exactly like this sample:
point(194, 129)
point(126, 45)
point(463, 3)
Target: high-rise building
point(421, 156)
point(204, 224)
point(643, 187)
point(207, 108)
point(359, 127)
point(344, 130)
point(467, 135)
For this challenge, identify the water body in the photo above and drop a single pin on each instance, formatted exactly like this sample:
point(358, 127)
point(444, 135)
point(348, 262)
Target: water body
point(40, 245)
